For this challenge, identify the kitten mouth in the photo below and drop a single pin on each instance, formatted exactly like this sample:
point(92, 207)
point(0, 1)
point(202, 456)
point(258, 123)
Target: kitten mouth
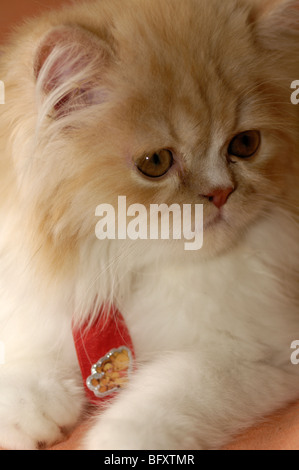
point(214, 221)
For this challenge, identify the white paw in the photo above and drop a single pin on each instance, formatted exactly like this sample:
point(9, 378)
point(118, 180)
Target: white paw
point(110, 433)
point(37, 413)
point(114, 435)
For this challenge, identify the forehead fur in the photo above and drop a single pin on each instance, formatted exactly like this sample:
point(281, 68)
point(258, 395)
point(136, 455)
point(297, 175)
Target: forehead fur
point(186, 64)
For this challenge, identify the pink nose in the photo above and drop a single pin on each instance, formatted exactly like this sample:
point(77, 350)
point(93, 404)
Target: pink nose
point(219, 196)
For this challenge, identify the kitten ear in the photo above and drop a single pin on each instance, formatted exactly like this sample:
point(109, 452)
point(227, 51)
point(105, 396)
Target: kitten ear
point(277, 23)
point(69, 68)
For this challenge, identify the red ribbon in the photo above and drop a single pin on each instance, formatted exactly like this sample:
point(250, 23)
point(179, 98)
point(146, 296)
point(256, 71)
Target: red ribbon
point(94, 342)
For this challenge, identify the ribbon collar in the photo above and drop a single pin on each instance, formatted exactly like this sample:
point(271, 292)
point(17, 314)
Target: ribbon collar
point(105, 353)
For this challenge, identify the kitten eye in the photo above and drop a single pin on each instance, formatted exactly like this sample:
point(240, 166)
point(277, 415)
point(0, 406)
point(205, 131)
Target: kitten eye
point(245, 145)
point(156, 164)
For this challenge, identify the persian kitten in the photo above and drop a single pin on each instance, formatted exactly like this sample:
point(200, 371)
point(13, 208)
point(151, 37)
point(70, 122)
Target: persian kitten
point(164, 102)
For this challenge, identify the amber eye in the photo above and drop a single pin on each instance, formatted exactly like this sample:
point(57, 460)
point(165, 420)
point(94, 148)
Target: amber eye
point(155, 164)
point(245, 145)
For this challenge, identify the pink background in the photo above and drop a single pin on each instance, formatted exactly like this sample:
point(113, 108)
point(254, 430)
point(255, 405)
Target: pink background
point(14, 11)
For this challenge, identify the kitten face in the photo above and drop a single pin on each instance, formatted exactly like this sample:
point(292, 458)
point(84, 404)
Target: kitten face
point(186, 80)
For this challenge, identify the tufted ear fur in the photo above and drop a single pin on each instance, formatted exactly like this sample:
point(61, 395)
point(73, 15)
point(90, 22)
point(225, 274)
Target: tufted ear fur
point(69, 69)
point(277, 23)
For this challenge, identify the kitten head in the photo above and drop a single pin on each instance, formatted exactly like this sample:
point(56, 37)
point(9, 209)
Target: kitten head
point(183, 102)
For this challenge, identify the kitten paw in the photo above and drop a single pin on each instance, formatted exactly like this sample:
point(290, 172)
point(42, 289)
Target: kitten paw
point(123, 434)
point(113, 436)
point(37, 415)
